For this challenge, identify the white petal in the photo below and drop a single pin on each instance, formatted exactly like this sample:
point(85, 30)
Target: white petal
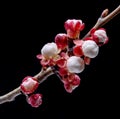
point(29, 83)
point(101, 34)
point(49, 50)
point(90, 49)
point(75, 64)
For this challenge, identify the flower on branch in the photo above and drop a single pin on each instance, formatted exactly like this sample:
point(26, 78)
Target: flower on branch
point(71, 82)
point(90, 48)
point(29, 85)
point(73, 28)
point(66, 57)
point(35, 100)
point(61, 41)
point(69, 64)
point(75, 64)
point(49, 50)
point(100, 36)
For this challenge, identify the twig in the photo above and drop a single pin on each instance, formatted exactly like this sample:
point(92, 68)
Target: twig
point(41, 76)
point(10, 96)
point(104, 18)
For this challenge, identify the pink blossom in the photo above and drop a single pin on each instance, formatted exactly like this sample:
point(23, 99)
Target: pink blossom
point(35, 100)
point(29, 85)
point(61, 40)
point(49, 54)
point(100, 36)
point(73, 28)
point(71, 82)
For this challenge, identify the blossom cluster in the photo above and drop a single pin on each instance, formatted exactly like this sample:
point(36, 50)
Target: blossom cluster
point(68, 54)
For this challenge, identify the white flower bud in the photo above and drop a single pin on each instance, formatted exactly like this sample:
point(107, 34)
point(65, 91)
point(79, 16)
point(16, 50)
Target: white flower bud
point(90, 48)
point(101, 34)
point(49, 50)
point(75, 64)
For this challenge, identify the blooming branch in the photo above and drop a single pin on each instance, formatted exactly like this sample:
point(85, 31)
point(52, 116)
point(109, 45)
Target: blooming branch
point(66, 57)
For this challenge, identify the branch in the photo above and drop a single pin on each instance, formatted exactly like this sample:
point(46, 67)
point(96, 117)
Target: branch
point(10, 96)
point(44, 73)
point(41, 76)
point(104, 18)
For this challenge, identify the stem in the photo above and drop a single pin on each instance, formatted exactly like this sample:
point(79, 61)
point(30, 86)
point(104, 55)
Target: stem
point(41, 76)
point(10, 96)
point(44, 74)
point(104, 18)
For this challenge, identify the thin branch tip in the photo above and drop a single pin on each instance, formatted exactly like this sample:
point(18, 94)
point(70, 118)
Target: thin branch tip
point(105, 13)
point(104, 18)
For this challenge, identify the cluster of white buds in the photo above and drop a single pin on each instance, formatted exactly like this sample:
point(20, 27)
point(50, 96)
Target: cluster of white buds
point(67, 57)
point(67, 63)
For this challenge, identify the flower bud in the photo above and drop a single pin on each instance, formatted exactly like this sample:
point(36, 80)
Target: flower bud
point(61, 40)
point(101, 36)
point(90, 48)
point(72, 83)
point(75, 64)
point(49, 50)
point(29, 85)
point(73, 28)
point(35, 100)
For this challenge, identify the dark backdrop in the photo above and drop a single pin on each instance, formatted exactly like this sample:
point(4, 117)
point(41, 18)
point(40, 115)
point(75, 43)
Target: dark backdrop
point(25, 28)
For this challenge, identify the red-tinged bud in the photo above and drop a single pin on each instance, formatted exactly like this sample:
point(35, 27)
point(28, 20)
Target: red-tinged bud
point(35, 100)
point(101, 36)
point(73, 28)
point(29, 85)
point(73, 83)
point(61, 40)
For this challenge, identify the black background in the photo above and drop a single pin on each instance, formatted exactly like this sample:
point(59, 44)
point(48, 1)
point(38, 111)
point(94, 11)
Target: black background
point(25, 28)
